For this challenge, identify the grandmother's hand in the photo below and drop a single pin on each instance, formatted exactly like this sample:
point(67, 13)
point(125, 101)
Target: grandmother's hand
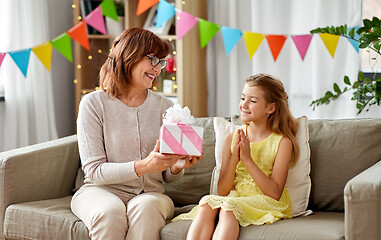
point(185, 162)
point(155, 162)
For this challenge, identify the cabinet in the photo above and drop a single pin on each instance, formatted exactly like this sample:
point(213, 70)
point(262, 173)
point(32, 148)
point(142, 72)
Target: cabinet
point(187, 85)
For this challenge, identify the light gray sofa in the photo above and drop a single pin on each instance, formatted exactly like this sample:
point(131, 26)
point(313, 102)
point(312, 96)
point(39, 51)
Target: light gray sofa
point(37, 183)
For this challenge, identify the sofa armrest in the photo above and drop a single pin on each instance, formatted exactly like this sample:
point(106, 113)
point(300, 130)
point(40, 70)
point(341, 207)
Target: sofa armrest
point(362, 202)
point(38, 172)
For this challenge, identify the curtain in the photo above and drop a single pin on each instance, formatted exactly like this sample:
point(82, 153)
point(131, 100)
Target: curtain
point(304, 80)
point(27, 115)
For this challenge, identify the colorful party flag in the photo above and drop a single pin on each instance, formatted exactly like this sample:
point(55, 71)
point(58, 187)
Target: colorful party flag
point(96, 20)
point(165, 11)
point(79, 33)
point(231, 36)
point(302, 42)
point(2, 56)
point(143, 5)
point(109, 9)
point(44, 53)
point(185, 22)
point(63, 45)
point(252, 40)
point(276, 44)
point(21, 58)
point(330, 41)
point(207, 31)
point(355, 43)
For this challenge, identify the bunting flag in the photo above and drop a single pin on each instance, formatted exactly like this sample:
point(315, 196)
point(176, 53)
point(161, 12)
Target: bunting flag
point(302, 42)
point(21, 58)
point(252, 40)
point(63, 45)
point(276, 44)
point(207, 31)
point(330, 41)
point(44, 53)
point(96, 20)
point(231, 36)
point(144, 5)
point(2, 56)
point(109, 9)
point(185, 22)
point(79, 33)
point(165, 11)
point(354, 43)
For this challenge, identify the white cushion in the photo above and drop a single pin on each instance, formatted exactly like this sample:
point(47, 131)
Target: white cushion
point(298, 180)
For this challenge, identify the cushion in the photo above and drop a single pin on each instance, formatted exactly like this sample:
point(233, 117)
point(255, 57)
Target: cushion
point(340, 150)
point(320, 225)
point(46, 219)
point(298, 180)
point(195, 183)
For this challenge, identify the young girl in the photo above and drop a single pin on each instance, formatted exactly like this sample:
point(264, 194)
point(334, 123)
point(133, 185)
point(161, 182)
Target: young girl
point(255, 163)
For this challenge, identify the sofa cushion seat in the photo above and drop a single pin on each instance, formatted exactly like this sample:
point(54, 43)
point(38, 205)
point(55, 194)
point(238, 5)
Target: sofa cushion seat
point(319, 225)
point(47, 219)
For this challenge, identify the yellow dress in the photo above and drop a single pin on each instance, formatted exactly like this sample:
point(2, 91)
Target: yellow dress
point(246, 200)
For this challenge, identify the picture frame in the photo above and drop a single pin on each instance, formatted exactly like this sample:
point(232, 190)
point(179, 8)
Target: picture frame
point(150, 23)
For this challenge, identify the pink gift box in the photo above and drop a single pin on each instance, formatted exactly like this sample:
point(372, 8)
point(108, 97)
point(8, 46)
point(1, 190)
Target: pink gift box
point(181, 139)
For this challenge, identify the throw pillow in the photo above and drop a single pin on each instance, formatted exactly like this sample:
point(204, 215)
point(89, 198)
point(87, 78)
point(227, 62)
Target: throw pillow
point(298, 180)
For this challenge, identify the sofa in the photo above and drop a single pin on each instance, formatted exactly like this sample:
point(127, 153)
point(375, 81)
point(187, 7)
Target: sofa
point(38, 181)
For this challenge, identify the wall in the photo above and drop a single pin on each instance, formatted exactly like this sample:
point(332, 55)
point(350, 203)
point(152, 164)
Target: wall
point(61, 20)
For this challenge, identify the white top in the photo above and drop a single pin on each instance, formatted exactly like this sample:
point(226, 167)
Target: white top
point(110, 132)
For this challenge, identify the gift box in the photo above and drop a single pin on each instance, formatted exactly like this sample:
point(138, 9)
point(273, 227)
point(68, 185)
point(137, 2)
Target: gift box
point(177, 135)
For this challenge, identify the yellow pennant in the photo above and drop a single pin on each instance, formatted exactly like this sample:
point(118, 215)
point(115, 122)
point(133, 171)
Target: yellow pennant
point(44, 53)
point(330, 41)
point(252, 40)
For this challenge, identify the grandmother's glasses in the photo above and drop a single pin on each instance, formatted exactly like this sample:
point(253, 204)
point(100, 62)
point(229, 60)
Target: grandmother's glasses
point(156, 61)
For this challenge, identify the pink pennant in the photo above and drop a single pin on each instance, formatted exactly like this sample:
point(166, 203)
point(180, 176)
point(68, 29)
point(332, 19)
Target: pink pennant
point(302, 42)
point(185, 22)
point(2, 56)
point(96, 20)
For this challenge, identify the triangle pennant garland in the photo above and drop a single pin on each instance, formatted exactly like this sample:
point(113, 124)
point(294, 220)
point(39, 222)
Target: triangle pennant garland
point(63, 45)
point(2, 56)
point(109, 9)
point(330, 41)
point(276, 44)
point(44, 53)
point(165, 11)
point(21, 58)
point(79, 33)
point(144, 5)
point(231, 36)
point(96, 20)
point(185, 22)
point(207, 31)
point(252, 40)
point(302, 42)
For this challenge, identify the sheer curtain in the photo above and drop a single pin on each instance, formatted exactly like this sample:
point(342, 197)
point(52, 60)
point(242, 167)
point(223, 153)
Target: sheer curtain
point(27, 115)
point(304, 80)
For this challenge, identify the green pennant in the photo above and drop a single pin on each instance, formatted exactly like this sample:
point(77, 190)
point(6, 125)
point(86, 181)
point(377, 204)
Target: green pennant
point(109, 10)
point(207, 31)
point(63, 45)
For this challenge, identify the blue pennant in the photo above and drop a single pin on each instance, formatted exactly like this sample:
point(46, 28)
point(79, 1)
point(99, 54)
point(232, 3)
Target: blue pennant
point(231, 36)
point(21, 58)
point(165, 11)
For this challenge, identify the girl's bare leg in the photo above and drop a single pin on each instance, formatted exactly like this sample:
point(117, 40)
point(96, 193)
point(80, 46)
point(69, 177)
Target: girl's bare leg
point(203, 225)
point(227, 227)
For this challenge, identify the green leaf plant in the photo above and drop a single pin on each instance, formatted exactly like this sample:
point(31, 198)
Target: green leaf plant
point(366, 91)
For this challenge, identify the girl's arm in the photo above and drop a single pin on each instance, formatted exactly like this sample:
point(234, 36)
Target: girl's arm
point(228, 165)
point(272, 187)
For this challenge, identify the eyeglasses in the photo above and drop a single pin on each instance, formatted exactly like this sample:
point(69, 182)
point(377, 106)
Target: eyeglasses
point(156, 61)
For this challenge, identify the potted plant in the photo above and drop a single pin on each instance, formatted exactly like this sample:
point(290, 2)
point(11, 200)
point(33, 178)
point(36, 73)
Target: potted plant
point(366, 91)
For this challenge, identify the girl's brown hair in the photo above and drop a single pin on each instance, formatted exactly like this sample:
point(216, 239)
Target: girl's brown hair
point(281, 120)
point(127, 50)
